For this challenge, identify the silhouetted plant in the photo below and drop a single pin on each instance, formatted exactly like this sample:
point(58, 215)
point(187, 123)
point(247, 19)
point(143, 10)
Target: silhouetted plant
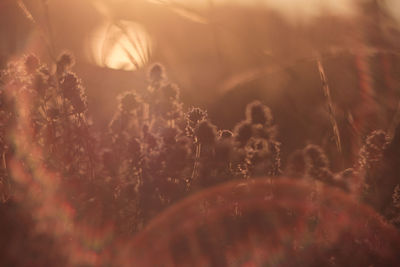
point(379, 162)
point(154, 153)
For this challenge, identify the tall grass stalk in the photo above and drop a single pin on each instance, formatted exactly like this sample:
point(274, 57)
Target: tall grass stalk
point(46, 38)
point(331, 109)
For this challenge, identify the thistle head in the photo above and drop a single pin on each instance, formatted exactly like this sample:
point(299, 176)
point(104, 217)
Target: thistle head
point(195, 115)
point(315, 157)
point(156, 73)
point(243, 132)
point(65, 62)
point(128, 102)
point(31, 63)
point(257, 113)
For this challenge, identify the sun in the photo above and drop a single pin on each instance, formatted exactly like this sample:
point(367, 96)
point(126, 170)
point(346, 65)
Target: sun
point(122, 45)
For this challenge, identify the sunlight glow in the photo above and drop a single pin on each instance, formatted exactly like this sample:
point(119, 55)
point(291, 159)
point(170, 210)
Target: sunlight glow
point(393, 7)
point(293, 9)
point(122, 45)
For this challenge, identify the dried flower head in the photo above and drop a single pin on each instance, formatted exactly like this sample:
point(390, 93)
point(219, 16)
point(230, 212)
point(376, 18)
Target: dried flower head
point(243, 132)
point(65, 62)
point(392, 149)
point(72, 90)
point(257, 113)
point(195, 115)
point(258, 158)
point(396, 196)
point(156, 73)
point(128, 101)
point(317, 164)
point(264, 132)
point(372, 151)
point(70, 84)
point(315, 157)
point(31, 63)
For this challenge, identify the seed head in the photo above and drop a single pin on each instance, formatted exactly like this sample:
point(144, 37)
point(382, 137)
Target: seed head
point(195, 115)
point(65, 62)
point(156, 73)
point(243, 132)
point(257, 113)
point(72, 90)
point(31, 63)
point(128, 101)
point(69, 84)
point(372, 151)
point(396, 196)
point(315, 157)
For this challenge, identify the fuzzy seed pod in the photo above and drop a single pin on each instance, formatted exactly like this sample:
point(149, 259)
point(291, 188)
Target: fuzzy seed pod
point(156, 73)
point(195, 115)
point(70, 85)
point(73, 91)
point(372, 151)
point(65, 62)
point(128, 102)
point(243, 132)
point(31, 63)
point(315, 157)
point(257, 113)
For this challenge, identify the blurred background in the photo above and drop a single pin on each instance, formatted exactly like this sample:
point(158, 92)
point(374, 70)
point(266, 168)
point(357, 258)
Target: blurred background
point(224, 54)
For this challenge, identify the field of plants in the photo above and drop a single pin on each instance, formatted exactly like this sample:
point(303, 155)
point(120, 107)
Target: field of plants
point(173, 133)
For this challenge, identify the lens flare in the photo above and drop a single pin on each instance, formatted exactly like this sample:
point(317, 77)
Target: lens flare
point(265, 223)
